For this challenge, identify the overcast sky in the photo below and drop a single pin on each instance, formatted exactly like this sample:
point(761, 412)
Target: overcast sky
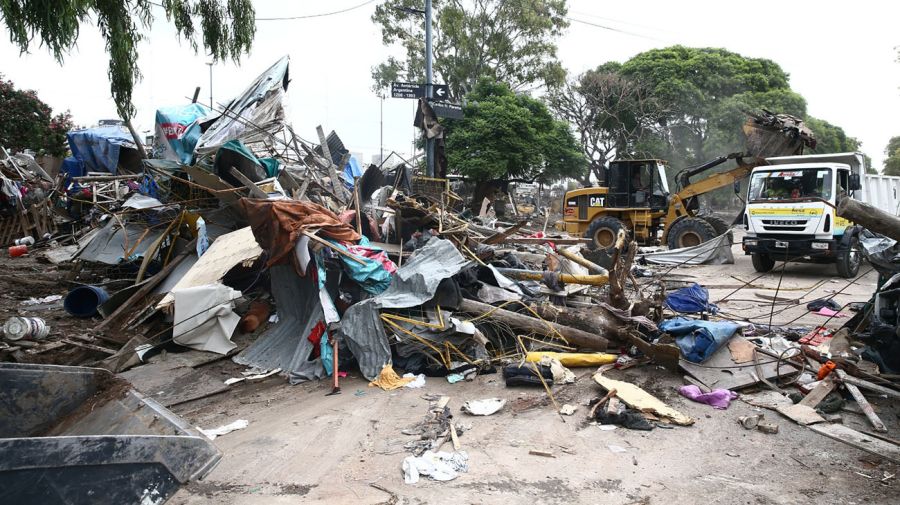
point(841, 57)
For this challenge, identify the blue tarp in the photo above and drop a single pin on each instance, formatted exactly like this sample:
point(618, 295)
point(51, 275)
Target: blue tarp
point(351, 171)
point(73, 167)
point(177, 131)
point(371, 275)
point(689, 300)
point(697, 339)
point(99, 148)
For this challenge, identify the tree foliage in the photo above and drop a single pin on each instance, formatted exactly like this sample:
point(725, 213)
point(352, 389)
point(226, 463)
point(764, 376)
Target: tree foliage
point(705, 89)
point(510, 41)
point(892, 162)
point(26, 122)
point(226, 29)
point(507, 135)
point(611, 113)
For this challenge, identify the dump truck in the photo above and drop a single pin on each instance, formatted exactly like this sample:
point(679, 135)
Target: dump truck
point(790, 213)
point(77, 435)
point(637, 198)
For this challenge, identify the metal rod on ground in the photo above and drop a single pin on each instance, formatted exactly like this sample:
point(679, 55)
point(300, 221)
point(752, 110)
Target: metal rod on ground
point(336, 388)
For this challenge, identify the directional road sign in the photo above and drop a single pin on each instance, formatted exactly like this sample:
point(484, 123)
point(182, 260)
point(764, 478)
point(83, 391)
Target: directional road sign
point(448, 110)
point(414, 90)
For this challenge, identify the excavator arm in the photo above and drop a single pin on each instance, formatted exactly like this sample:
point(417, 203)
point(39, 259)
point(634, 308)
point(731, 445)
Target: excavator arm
point(680, 204)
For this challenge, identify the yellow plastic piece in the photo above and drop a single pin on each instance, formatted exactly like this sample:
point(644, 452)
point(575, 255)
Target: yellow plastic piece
point(574, 359)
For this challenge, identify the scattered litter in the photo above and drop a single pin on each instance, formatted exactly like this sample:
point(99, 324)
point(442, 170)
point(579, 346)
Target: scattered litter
point(254, 375)
point(224, 430)
point(46, 299)
point(418, 381)
point(440, 466)
point(568, 409)
point(544, 454)
point(717, 398)
point(484, 407)
point(616, 449)
point(388, 379)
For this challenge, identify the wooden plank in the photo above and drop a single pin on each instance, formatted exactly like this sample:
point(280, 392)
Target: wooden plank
point(561, 241)
point(849, 379)
point(501, 235)
point(255, 192)
point(863, 404)
point(859, 440)
point(85, 345)
point(741, 350)
point(801, 414)
point(818, 393)
point(639, 399)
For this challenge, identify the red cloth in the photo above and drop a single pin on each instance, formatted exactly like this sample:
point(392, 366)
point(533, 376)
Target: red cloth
point(277, 224)
point(315, 336)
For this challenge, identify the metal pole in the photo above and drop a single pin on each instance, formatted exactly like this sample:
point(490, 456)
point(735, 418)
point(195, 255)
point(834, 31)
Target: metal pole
point(429, 90)
point(210, 86)
point(381, 126)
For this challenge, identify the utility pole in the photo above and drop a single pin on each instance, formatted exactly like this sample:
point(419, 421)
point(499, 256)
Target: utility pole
point(210, 64)
point(381, 127)
point(429, 89)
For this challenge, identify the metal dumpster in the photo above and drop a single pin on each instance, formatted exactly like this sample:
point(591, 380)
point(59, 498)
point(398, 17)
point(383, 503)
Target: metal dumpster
point(80, 435)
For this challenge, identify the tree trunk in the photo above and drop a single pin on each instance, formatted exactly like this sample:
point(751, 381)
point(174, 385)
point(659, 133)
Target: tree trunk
point(575, 337)
point(869, 217)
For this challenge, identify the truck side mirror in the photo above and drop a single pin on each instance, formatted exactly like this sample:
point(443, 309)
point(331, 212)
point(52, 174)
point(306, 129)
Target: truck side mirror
point(855, 183)
point(737, 187)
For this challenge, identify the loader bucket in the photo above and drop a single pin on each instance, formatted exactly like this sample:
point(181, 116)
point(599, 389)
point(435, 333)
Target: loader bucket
point(80, 435)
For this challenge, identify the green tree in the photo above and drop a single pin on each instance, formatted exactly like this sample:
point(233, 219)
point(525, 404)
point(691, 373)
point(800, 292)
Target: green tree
point(507, 135)
point(26, 122)
point(705, 89)
point(611, 114)
point(226, 27)
point(892, 162)
point(831, 138)
point(510, 41)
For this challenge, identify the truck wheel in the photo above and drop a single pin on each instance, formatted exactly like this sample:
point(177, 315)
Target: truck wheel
point(762, 262)
point(720, 225)
point(603, 232)
point(848, 261)
point(688, 232)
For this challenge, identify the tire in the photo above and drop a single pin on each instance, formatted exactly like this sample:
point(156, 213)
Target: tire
point(688, 232)
point(603, 232)
point(762, 262)
point(848, 261)
point(720, 225)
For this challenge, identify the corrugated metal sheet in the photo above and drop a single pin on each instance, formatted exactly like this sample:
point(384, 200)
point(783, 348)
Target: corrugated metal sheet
point(285, 344)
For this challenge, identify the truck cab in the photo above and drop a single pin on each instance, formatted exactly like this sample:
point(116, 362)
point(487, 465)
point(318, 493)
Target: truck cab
point(790, 211)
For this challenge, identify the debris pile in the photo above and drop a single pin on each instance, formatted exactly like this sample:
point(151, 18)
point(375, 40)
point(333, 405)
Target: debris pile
point(242, 240)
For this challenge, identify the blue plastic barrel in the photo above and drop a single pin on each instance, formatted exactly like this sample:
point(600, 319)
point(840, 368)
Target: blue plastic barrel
point(84, 300)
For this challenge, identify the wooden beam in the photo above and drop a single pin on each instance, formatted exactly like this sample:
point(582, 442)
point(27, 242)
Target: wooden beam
point(573, 336)
point(255, 192)
point(863, 403)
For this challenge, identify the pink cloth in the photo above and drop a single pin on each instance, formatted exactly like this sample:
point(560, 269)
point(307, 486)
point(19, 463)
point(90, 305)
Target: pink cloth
point(718, 398)
point(825, 311)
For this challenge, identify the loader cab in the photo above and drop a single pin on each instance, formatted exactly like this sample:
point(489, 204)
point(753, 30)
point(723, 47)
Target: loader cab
point(638, 184)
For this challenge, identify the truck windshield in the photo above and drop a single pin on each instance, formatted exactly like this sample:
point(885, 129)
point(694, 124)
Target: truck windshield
point(805, 184)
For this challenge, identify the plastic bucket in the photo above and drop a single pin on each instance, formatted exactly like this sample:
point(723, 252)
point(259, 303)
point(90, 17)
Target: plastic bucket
point(84, 300)
point(18, 250)
point(17, 328)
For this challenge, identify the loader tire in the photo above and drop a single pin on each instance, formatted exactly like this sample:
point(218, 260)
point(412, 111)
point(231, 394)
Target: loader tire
point(603, 232)
point(762, 262)
point(720, 225)
point(689, 232)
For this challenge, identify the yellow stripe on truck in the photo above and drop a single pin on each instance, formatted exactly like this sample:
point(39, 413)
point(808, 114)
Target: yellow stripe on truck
point(787, 211)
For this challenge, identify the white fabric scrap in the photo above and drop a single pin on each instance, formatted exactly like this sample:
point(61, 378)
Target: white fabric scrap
point(440, 466)
point(484, 407)
point(254, 375)
point(212, 433)
point(205, 318)
point(46, 299)
point(419, 381)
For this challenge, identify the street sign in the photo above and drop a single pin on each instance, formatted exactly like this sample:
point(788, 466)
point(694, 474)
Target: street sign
point(447, 110)
point(407, 90)
point(440, 91)
point(413, 90)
